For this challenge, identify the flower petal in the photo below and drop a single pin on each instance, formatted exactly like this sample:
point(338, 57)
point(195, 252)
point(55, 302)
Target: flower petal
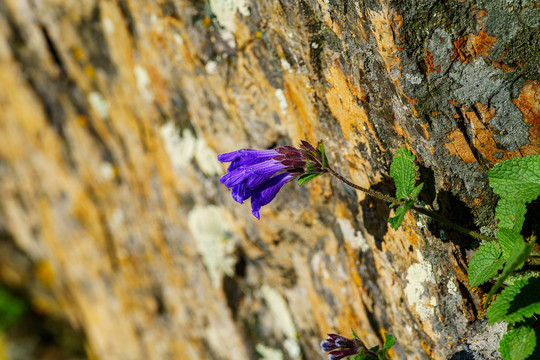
point(252, 157)
point(267, 192)
point(230, 156)
point(256, 214)
point(241, 193)
point(253, 175)
point(345, 343)
point(327, 345)
point(263, 172)
point(245, 153)
point(340, 354)
point(235, 177)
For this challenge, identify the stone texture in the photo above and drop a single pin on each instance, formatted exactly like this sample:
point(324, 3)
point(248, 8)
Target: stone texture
point(112, 213)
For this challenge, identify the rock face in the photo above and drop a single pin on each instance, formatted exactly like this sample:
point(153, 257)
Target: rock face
point(112, 214)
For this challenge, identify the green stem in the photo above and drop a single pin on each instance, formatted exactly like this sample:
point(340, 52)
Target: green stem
point(444, 221)
point(370, 192)
point(419, 209)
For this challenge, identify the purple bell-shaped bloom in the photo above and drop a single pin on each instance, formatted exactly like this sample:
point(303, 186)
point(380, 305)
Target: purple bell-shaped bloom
point(339, 347)
point(260, 174)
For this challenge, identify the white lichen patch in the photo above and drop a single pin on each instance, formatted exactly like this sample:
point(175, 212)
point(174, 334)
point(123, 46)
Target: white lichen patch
point(107, 171)
point(355, 238)
point(414, 79)
point(178, 39)
point(207, 159)
point(157, 25)
point(98, 104)
point(211, 67)
point(229, 38)
point(269, 353)
point(417, 275)
point(117, 219)
point(282, 100)
point(220, 337)
point(182, 149)
point(108, 26)
point(486, 341)
point(293, 348)
point(225, 11)
point(211, 230)
point(409, 329)
point(318, 265)
point(285, 65)
point(452, 288)
point(421, 225)
point(143, 83)
point(283, 319)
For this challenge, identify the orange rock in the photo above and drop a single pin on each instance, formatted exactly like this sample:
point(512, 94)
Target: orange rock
point(471, 46)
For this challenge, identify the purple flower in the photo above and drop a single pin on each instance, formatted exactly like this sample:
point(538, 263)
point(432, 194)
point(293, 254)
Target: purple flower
point(260, 174)
point(339, 347)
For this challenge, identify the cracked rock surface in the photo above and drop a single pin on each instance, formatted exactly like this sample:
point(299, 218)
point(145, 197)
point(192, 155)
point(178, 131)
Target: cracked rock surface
point(112, 216)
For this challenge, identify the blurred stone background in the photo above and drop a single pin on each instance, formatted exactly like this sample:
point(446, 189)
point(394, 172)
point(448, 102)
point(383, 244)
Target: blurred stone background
point(114, 227)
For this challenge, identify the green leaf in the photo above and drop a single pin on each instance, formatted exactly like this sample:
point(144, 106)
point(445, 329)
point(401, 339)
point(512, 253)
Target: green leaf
point(520, 254)
point(399, 213)
point(536, 353)
point(416, 191)
point(323, 154)
point(389, 341)
point(11, 309)
point(397, 219)
point(517, 179)
point(511, 214)
point(518, 343)
point(306, 177)
point(354, 334)
point(309, 168)
point(403, 170)
point(485, 264)
point(509, 239)
point(516, 302)
point(362, 356)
